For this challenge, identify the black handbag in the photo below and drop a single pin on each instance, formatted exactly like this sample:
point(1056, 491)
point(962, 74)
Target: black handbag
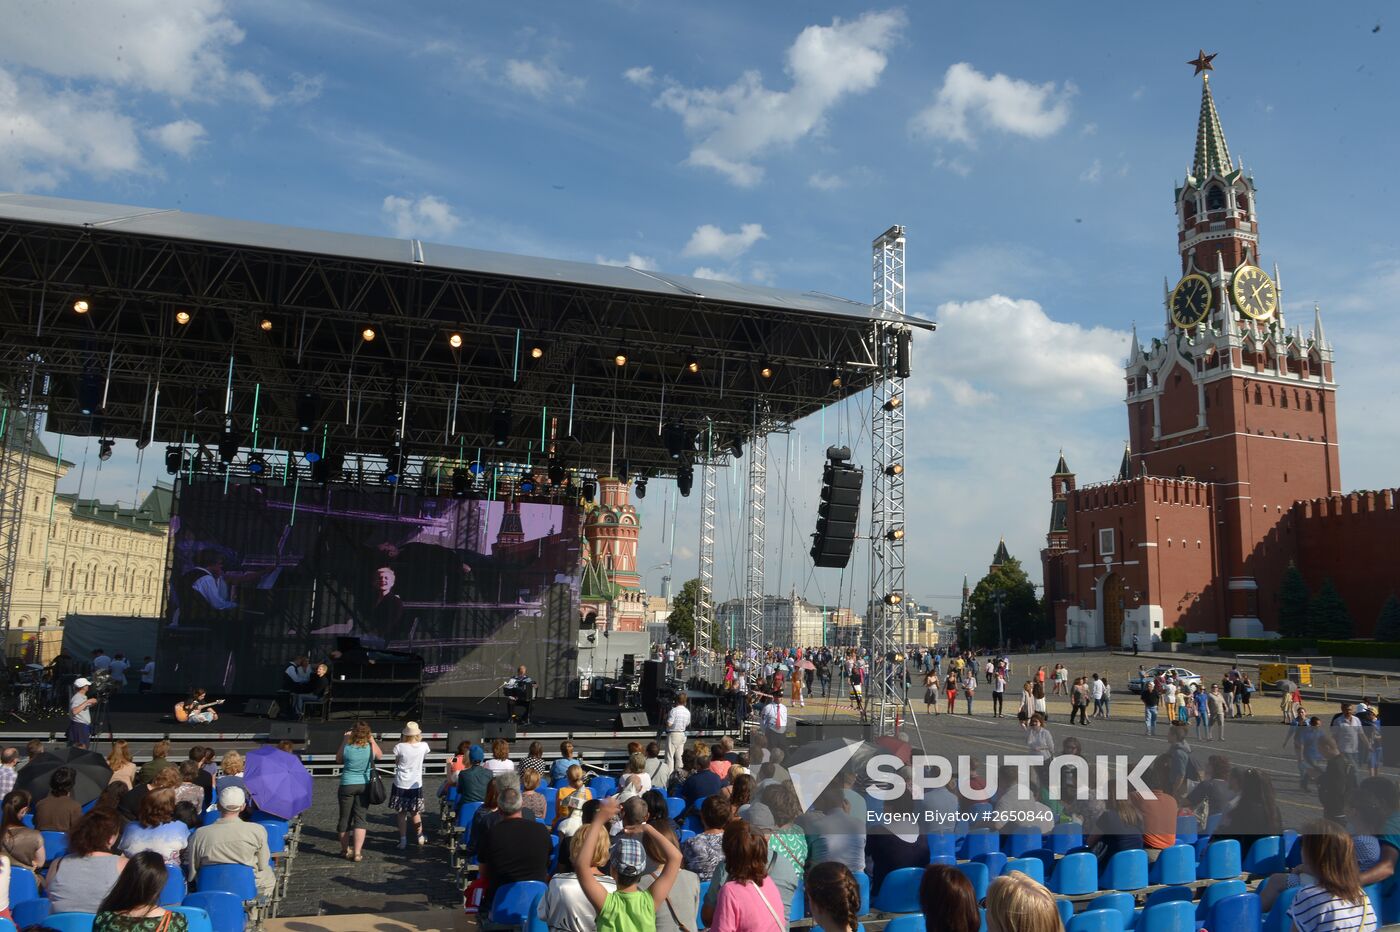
point(375, 792)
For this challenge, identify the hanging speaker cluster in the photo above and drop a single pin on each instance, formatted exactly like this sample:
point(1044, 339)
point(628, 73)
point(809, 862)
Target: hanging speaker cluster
point(839, 509)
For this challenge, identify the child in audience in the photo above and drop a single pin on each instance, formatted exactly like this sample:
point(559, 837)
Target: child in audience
point(833, 897)
point(628, 908)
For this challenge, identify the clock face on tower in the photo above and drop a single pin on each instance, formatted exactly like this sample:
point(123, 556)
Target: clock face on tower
point(1191, 301)
point(1254, 292)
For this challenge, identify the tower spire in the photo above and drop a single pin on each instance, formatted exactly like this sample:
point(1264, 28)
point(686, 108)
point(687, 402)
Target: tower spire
point(1212, 154)
point(1125, 468)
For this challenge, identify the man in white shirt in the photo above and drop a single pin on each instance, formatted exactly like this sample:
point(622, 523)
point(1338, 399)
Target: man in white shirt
point(1096, 693)
point(118, 668)
point(100, 661)
point(211, 585)
point(775, 723)
point(148, 676)
point(1351, 739)
point(79, 714)
point(677, 721)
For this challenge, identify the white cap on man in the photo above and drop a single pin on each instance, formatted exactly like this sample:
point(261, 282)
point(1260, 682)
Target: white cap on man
point(81, 681)
point(232, 799)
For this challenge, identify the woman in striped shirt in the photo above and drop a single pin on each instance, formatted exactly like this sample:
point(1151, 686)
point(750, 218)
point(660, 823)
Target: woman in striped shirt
point(1331, 899)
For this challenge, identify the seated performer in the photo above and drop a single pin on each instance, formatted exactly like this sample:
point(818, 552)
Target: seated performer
point(520, 691)
point(195, 710)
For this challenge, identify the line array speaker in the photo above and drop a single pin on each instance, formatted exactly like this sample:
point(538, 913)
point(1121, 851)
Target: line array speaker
point(839, 510)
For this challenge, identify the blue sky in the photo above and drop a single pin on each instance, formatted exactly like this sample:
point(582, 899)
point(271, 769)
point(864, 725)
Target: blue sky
point(1030, 149)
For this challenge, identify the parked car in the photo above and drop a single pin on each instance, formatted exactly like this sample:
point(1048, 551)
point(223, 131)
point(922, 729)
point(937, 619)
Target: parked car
point(1184, 677)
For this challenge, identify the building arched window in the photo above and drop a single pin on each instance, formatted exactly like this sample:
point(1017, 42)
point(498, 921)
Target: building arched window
point(72, 571)
point(1215, 198)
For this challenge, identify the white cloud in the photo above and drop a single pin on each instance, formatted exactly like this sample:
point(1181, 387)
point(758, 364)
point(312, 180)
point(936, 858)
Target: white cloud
point(710, 240)
point(642, 77)
point(424, 218)
point(541, 79)
point(736, 125)
point(44, 136)
point(969, 98)
point(1093, 173)
point(180, 137)
point(826, 181)
point(715, 274)
point(633, 261)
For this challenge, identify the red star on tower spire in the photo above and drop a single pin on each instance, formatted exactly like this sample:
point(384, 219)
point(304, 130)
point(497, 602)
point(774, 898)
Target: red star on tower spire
point(1202, 62)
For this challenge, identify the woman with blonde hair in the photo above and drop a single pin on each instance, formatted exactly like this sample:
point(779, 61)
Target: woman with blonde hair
point(1331, 899)
point(500, 758)
point(230, 773)
point(530, 796)
point(406, 798)
point(636, 781)
point(123, 767)
point(1016, 903)
point(575, 787)
point(356, 756)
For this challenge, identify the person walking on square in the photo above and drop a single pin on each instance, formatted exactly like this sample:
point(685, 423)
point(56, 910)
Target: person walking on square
point(1135, 645)
point(1218, 711)
point(1151, 699)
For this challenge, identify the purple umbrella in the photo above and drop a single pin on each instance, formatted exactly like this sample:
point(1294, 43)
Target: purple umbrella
point(277, 781)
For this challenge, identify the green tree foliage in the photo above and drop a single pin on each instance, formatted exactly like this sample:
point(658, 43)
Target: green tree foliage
point(1327, 614)
point(1293, 605)
point(1022, 616)
point(681, 623)
point(1388, 625)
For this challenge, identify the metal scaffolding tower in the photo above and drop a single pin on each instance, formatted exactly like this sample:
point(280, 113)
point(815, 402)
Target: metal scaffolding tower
point(887, 639)
point(19, 422)
point(757, 495)
point(705, 598)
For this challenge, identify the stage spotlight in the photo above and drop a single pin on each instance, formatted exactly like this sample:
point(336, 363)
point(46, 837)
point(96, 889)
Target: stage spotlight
point(228, 449)
point(892, 404)
point(692, 365)
point(894, 598)
point(527, 484)
point(265, 325)
point(182, 317)
point(312, 456)
point(368, 333)
point(257, 464)
point(835, 376)
point(89, 393)
point(642, 487)
point(81, 306)
point(475, 468)
point(174, 459)
point(736, 446)
point(460, 482)
point(685, 478)
point(394, 469)
point(104, 449)
point(590, 490)
point(894, 470)
point(500, 426)
point(306, 411)
point(896, 534)
point(536, 350)
point(620, 359)
point(766, 370)
point(557, 473)
point(454, 340)
point(327, 468)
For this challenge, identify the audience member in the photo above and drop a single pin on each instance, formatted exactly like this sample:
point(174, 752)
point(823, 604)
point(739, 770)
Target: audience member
point(132, 903)
point(1016, 903)
point(657, 766)
point(534, 760)
point(564, 907)
point(683, 902)
point(123, 767)
point(58, 811)
point(189, 789)
point(1332, 900)
point(575, 785)
point(514, 849)
point(701, 784)
point(23, 845)
point(560, 768)
point(406, 798)
point(473, 780)
point(156, 830)
point(705, 850)
point(530, 797)
point(948, 901)
point(357, 754)
point(749, 900)
point(230, 840)
point(889, 848)
point(1255, 813)
point(627, 908)
point(833, 897)
point(635, 781)
point(82, 878)
point(156, 764)
point(9, 772)
point(499, 761)
point(230, 773)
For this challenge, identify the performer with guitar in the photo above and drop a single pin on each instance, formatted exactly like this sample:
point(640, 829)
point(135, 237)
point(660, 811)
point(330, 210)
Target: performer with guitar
point(195, 710)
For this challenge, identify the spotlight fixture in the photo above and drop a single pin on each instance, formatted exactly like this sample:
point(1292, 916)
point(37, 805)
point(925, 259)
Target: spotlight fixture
point(500, 426)
point(692, 365)
point(368, 333)
point(766, 370)
point(174, 459)
point(393, 469)
point(104, 449)
point(81, 306)
point(454, 340)
point(527, 483)
point(89, 393)
point(678, 439)
point(257, 464)
point(265, 325)
point(896, 534)
point(894, 598)
point(892, 404)
point(590, 490)
point(182, 317)
point(536, 351)
point(306, 411)
point(685, 478)
point(642, 486)
point(460, 482)
point(228, 449)
point(896, 469)
point(620, 359)
point(736, 446)
point(475, 468)
point(835, 375)
point(312, 456)
point(557, 473)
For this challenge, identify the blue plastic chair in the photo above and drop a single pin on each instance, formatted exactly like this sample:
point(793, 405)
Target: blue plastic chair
point(513, 901)
point(55, 845)
point(1064, 907)
point(1187, 830)
point(1215, 893)
point(1240, 911)
point(1033, 868)
point(1075, 874)
point(70, 922)
point(276, 836)
point(224, 909)
point(1174, 865)
point(979, 842)
point(603, 787)
point(1126, 870)
point(1125, 903)
point(797, 909)
point(173, 893)
point(995, 861)
point(942, 844)
point(1065, 838)
point(1096, 920)
point(553, 853)
point(1293, 851)
point(466, 814)
point(237, 879)
point(1222, 861)
point(31, 912)
point(23, 886)
point(910, 923)
point(1045, 856)
point(1265, 856)
point(978, 874)
point(863, 881)
point(551, 803)
point(1168, 895)
point(210, 817)
point(700, 904)
point(8, 926)
point(27, 820)
point(195, 918)
point(1169, 917)
point(899, 891)
point(685, 835)
point(1277, 920)
point(561, 783)
point(675, 807)
point(1016, 844)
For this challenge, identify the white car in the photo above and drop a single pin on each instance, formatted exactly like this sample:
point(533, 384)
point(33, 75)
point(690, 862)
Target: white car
point(1184, 677)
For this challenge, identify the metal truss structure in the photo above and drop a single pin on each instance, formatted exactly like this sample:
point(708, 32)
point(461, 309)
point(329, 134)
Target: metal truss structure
point(705, 597)
point(179, 307)
point(20, 420)
point(756, 501)
point(890, 339)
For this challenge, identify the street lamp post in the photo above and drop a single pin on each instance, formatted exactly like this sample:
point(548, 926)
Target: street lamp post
point(999, 599)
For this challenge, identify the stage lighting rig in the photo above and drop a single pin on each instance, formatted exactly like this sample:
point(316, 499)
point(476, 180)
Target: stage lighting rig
point(678, 439)
point(736, 446)
point(104, 449)
point(81, 306)
point(182, 317)
point(461, 481)
point(692, 365)
point(257, 465)
point(527, 484)
point(557, 473)
point(590, 490)
point(685, 477)
point(174, 460)
point(642, 485)
point(307, 404)
point(454, 340)
point(500, 426)
point(228, 449)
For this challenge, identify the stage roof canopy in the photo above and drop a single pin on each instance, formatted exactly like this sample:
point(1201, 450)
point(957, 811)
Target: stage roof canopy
point(285, 308)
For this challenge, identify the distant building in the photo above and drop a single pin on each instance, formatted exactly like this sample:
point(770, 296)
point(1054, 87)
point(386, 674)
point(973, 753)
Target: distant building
point(612, 587)
point(790, 622)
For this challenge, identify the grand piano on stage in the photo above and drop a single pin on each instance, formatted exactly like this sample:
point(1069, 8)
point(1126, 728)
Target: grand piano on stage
point(374, 682)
